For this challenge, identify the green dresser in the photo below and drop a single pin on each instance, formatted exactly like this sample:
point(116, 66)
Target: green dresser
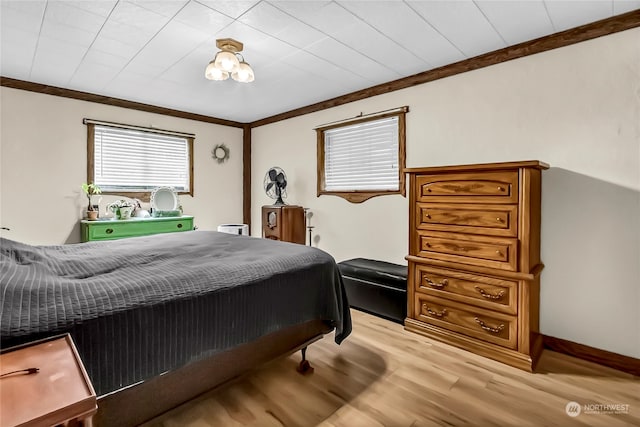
point(120, 229)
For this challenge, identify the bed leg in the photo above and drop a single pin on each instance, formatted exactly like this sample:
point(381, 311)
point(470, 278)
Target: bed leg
point(304, 367)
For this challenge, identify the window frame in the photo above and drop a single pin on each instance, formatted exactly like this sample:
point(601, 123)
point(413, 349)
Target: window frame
point(144, 196)
point(359, 196)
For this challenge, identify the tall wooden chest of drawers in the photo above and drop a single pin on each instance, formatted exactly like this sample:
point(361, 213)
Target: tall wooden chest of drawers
point(474, 258)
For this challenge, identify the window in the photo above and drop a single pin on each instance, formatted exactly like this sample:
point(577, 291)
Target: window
point(132, 161)
point(364, 157)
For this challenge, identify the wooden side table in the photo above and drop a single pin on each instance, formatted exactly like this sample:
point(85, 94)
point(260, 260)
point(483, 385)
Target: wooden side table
point(60, 393)
point(284, 222)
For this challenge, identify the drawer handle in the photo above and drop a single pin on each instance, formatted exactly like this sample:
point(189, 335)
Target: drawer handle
point(499, 253)
point(433, 284)
point(500, 188)
point(109, 230)
point(433, 312)
point(489, 328)
point(488, 295)
point(426, 215)
point(499, 219)
point(179, 225)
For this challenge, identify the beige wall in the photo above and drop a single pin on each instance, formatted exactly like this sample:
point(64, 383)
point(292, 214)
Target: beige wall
point(576, 108)
point(44, 161)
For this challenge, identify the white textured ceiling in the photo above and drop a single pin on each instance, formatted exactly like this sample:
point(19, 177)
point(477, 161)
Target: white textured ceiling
point(302, 52)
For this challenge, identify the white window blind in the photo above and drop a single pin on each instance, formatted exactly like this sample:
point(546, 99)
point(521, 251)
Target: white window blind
point(134, 160)
point(362, 157)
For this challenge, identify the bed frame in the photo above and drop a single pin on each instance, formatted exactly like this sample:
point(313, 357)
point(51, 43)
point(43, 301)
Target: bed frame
point(141, 402)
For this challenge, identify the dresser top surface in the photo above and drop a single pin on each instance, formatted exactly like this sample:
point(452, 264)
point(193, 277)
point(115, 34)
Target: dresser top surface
point(135, 219)
point(535, 164)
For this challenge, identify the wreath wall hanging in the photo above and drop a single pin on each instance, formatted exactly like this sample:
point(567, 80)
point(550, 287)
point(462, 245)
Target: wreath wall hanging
point(220, 153)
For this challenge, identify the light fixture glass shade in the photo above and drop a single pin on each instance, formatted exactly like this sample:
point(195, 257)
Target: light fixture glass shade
point(226, 61)
point(213, 73)
point(243, 74)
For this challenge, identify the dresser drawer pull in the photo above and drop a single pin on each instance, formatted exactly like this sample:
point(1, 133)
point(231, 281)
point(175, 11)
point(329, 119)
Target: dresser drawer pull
point(489, 328)
point(499, 219)
point(179, 225)
point(500, 188)
point(109, 230)
point(486, 294)
point(434, 313)
point(433, 284)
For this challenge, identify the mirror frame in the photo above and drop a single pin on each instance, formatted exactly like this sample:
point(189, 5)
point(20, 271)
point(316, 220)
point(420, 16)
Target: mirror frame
point(172, 191)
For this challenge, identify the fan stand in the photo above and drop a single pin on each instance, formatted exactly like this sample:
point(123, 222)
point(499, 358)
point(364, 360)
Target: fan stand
point(279, 201)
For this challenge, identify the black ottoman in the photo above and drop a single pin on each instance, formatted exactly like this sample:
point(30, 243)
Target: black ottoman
point(376, 287)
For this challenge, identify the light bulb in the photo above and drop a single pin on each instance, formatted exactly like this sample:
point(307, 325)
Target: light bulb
point(214, 73)
point(226, 61)
point(244, 73)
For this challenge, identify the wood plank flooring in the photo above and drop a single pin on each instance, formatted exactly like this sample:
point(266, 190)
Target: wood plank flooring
point(383, 375)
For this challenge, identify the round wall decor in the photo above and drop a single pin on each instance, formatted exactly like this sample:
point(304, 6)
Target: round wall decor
point(220, 153)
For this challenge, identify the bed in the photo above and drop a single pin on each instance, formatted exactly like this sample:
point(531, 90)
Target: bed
point(160, 319)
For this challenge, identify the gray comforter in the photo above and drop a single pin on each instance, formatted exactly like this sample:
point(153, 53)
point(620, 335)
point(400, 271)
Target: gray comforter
point(141, 306)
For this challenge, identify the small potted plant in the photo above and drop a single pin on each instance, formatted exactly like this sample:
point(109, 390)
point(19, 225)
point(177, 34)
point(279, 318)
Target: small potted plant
point(121, 209)
point(89, 190)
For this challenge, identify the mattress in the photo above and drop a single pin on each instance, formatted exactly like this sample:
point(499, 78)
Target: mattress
point(139, 307)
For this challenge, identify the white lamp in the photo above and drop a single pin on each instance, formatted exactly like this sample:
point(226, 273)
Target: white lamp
point(226, 63)
point(213, 73)
point(243, 73)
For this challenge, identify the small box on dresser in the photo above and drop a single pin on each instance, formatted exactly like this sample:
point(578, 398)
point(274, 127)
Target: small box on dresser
point(474, 258)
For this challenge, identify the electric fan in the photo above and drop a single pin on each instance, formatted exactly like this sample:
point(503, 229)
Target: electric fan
point(275, 184)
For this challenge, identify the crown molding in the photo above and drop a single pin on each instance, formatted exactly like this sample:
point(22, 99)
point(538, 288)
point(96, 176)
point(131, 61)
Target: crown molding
point(108, 100)
point(586, 32)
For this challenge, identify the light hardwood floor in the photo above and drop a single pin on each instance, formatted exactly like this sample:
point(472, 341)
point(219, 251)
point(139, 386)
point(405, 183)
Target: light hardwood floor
point(383, 375)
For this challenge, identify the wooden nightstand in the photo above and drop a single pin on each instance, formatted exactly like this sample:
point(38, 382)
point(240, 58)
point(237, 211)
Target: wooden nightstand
point(284, 222)
point(60, 393)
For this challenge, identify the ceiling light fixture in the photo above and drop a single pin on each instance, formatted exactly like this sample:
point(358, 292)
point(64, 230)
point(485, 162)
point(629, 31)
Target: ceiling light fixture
point(229, 62)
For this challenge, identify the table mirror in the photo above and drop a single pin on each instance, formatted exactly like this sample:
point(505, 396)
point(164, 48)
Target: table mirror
point(164, 199)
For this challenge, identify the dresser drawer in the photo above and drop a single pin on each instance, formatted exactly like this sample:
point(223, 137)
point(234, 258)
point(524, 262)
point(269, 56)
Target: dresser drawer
point(107, 230)
point(475, 187)
point(482, 291)
point(483, 251)
point(493, 220)
point(493, 327)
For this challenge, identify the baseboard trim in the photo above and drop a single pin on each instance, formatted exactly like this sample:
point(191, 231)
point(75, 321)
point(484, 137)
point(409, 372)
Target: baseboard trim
point(617, 361)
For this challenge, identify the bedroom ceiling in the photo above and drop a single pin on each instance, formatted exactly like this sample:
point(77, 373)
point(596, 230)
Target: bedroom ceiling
point(303, 52)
